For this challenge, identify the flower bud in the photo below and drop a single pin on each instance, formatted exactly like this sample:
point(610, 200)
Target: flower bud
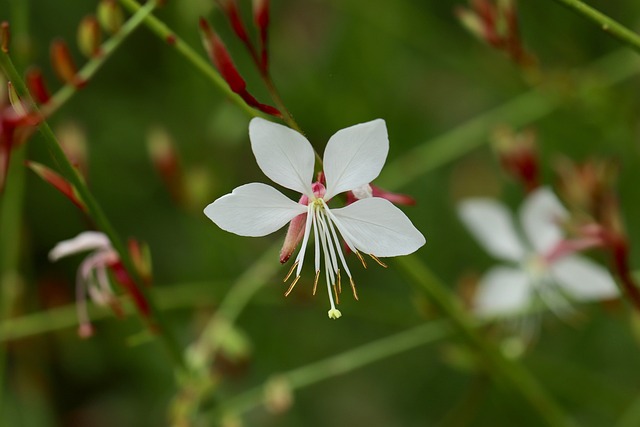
point(518, 155)
point(166, 162)
point(141, 256)
point(278, 395)
point(74, 144)
point(5, 37)
point(14, 100)
point(58, 182)
point(89, 36)
point(110, 16)
point(63, 64)
point(261, 19)
point(37, 86)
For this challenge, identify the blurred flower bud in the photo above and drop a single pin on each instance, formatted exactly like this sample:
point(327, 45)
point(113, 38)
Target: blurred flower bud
point(63, 64)
point(58, 182)
point(14, 100)
point(518, 155)
point(141, 256)
point(74, 144)
point(197, 187)
point(37, 86)
point(278, 395)
point(495, 22)
point(5, 37)
point(110, 16)
point(220, 57)
point(89, 36)
point(166, 162)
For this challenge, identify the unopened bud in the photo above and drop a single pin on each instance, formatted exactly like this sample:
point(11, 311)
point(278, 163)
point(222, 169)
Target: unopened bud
point(165, 160)
point(14, 100)
point(295, 233)
point(230, 7)
point(141, 256)
point(74, 144)
point(261, 19)
point(37, 86)
point(58, 182)
point(5, 37)
point(63, 64)
point(471, 22)
point(110, 16)
point(197, 186)
point(278, 396)
point(518, 155)
point(89, 36)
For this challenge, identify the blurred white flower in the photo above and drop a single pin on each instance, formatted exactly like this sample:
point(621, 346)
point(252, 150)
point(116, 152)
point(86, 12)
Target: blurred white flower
point(353, 158)
point(543, 266)
point(92, 276)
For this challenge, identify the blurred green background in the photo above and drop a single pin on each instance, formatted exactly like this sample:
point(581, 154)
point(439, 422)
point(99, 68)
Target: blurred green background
point(336, 63)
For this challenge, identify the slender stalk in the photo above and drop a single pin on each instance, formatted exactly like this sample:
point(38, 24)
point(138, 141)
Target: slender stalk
point(93, 208)
point(509, 370)
point(337, 365)
point(608, 25)
point(94, 64)
point(161, 30)
point(524, 109)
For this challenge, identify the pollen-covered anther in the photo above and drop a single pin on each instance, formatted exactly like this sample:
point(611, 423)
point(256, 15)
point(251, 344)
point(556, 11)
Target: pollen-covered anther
point(335, 292)
point(364, 263)
point(286, 294)
point(339, 282)
point(293, 267)
point(353, 288)
point(315, 282)
point(376, 259)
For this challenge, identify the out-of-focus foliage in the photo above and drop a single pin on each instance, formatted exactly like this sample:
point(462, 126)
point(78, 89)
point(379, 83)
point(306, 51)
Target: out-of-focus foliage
point(336, 63)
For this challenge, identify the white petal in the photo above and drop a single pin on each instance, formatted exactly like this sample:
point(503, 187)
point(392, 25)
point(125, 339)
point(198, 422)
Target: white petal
point(492, 225)
point(502, 290)
point(378, 228)
point(541, 215)
point(253, 210)
point(583, 279)
point(354, 156)
point(284, 155)
point(85, 241)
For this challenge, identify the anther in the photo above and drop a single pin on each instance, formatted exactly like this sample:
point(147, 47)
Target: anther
point(286, 294)
point(293, 267)
point(339, 284)
point(353, 287)
point(335, 292)
point(364, 264)
point(315, 282)
point(375, 258)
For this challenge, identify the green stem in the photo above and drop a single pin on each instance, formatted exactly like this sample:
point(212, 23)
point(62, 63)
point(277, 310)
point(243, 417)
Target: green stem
point(520, 111)
point(160, 29)
point(94, 64)
point(509, 370)
point(608, 25)
point(338, 365)
point(93, 208)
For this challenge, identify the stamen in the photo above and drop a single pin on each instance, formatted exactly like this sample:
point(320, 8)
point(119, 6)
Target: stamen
point(337, 244)
point(353, 287)
point(335, 291)
point(286, 294)
point(364, 264)
point(305, 240)
point(339, 284)
point(375, 258)
point(315, 282)
point(293, 267)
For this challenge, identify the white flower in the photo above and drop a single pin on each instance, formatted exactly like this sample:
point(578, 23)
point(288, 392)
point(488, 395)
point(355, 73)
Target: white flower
point(92, 274)
point(545, 266)
point(353, 158)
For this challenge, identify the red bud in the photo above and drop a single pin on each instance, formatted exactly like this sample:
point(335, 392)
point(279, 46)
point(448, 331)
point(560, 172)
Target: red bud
point(37, 86)
point(58, 182)
point(63, 64)
point(261, 19)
